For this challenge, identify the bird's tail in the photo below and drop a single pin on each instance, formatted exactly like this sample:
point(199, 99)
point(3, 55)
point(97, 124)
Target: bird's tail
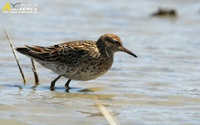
point(31, 52)
point(23, 50)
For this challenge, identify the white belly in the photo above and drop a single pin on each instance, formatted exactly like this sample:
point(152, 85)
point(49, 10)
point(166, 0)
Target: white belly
point(82, 72)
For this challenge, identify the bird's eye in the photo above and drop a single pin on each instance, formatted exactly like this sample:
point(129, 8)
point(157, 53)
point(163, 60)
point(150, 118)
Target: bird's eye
point(117, 42)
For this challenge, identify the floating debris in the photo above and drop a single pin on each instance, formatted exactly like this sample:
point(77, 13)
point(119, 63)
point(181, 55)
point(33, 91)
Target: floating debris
point(165, 12)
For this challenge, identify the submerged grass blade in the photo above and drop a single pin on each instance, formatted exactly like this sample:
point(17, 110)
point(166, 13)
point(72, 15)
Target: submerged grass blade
point(20, 69)
point(108, 116)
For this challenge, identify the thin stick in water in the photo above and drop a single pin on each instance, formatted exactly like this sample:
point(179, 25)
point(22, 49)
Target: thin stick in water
point(110, 119)
point(34, 69)
point(20, 69)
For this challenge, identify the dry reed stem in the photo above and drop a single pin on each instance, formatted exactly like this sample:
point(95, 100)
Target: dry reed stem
point(34, 69)
point(20, 69)
point(108, 116)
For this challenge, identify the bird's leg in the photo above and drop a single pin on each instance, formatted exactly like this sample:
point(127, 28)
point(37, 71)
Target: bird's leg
point(53, 83)
point(67, 84)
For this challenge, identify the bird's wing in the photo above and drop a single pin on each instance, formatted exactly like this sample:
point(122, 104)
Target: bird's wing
point(66, 53)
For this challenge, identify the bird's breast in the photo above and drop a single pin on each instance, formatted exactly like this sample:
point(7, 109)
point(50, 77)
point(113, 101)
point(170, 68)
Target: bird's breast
point(91, 68)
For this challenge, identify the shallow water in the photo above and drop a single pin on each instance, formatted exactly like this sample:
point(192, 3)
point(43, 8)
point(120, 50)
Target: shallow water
point(161, 86)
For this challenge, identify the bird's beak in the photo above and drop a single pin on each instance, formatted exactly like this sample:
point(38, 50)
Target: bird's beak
point(128, 51)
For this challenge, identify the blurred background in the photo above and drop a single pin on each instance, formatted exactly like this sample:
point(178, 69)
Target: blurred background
point(161, 86)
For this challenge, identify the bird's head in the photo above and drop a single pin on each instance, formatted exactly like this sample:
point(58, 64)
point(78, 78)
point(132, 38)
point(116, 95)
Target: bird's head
point(113, 44)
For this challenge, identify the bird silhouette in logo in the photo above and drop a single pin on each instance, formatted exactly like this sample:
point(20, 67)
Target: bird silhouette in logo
point(14, 4)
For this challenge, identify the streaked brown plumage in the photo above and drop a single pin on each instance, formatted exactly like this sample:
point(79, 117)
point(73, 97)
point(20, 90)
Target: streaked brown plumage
point(78, 60)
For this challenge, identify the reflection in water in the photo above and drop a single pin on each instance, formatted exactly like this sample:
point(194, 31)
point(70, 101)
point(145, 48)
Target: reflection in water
point(91, 89)
point(84, 95)
point(97, 114)
point(12, 86)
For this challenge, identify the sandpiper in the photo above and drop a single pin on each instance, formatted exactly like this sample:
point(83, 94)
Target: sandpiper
point(77, 60)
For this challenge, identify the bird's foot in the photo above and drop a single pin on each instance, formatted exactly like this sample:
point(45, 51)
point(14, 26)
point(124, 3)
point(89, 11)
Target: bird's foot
point(67, 86)
point(52, 88)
